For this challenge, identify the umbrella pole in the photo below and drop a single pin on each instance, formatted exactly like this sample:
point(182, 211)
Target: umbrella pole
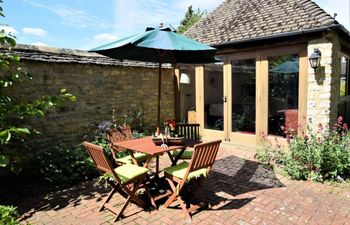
point(159, 92)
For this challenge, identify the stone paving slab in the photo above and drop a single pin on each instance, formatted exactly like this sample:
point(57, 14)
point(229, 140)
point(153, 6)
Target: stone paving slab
point(239, 190)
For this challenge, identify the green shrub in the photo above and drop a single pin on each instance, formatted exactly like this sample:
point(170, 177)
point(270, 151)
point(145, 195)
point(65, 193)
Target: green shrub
point(321, 155)
point(98, 135)
point(8, 215)
point(270, 154)
point(61, 166)
point(67, 165)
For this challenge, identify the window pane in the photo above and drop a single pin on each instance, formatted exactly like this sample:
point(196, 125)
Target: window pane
point(344, 104)
point(213, 93)
point(343, 76)
point(187, 94)
point(243, 94)
point(283, 93)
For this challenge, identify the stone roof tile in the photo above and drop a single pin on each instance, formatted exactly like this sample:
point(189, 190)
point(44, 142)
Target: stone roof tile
point(236, 20)
point(62, 55)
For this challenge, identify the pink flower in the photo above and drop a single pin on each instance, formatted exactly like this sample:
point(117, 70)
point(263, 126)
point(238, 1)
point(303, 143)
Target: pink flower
point(345, 126)
point(264, 136)
point(288, 138)
point(171, 123)
point(340, 119)
point(335, 127)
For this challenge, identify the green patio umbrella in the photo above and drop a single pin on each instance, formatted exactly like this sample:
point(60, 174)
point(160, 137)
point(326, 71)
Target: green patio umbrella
point(159, 45)
point(289, 66)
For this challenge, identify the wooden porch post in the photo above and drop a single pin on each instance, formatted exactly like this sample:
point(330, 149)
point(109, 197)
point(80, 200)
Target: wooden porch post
point(177, 106)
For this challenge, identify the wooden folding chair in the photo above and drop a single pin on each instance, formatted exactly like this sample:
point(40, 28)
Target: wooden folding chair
point(189, 131)
point(115, 135)
point(198, 168)
point(123, 177)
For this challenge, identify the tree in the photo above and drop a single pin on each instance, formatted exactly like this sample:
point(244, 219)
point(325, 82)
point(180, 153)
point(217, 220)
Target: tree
point(191, 18)
point(13, 132)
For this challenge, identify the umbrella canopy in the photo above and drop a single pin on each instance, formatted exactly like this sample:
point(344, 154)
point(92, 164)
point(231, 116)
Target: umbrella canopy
point(158, 45)
point(290, 66)
point(161, 45)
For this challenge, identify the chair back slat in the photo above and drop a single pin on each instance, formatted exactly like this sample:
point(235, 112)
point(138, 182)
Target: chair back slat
point(204, 155)
point(115, 135)
point(98, 156)
point(190, 131)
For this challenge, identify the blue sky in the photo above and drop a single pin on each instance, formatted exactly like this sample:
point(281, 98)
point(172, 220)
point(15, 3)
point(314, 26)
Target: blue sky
point(84, 24)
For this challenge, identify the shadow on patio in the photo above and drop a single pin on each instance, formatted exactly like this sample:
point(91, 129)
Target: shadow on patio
point(233, 176)
point(56, 200)
point(230, 177)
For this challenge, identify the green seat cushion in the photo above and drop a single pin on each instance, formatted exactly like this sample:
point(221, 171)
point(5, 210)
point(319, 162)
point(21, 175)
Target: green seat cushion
point(128, 172)
point(187, 154)
point(128, 160)
point(180, 171)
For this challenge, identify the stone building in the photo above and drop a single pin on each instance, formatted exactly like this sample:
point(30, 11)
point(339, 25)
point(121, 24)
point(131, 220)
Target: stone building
point(266, 81)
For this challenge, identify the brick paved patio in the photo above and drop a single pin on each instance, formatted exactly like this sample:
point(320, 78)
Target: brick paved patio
point(239, 190)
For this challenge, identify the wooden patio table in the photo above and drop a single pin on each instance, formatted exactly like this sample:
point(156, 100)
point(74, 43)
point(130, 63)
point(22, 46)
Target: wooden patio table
point(146, 145)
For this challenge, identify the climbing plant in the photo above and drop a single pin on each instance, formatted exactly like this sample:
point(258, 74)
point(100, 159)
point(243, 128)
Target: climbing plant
point(13, 132)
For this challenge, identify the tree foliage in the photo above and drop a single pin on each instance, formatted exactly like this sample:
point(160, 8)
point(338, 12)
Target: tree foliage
point(13, 132)
point(191, 18)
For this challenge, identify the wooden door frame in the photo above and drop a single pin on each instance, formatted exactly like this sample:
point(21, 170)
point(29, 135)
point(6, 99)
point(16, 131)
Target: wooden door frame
point(301, 51)
point(237, 137)
point(206, 133)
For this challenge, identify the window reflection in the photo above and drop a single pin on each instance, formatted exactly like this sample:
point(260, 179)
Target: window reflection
point(283, 94)
point(343, 76)
point(213, 97)
point(344, 103)
point(243, 94)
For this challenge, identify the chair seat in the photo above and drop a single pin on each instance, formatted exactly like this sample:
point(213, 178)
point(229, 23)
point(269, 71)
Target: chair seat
point(179, 171)
point(128, 160)
point(128, 172)
point(187, 154)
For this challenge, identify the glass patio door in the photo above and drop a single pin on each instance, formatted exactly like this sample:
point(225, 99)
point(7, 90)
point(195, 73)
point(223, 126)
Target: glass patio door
point(214, 102)
point(242, 104)
point(253, 95)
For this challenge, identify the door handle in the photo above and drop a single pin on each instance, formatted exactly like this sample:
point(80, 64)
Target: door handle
point(224, 99)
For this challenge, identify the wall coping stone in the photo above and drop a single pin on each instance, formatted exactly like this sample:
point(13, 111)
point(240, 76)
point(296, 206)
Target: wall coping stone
point(65, 55)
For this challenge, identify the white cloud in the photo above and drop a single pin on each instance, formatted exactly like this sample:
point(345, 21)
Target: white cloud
point(34, 31)
point(39, 44)
point(137, 15)
point(73, 17)
point(8, 29)
point(105, 37)
point(134, 16)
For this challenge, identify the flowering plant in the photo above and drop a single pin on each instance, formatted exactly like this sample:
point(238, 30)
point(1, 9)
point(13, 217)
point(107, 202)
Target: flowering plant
point(316, 154)
point(170, 127)
point(171, 123)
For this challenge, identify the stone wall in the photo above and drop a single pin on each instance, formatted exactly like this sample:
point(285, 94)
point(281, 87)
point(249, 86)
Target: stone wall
point(99, 88)
point(323, 85)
